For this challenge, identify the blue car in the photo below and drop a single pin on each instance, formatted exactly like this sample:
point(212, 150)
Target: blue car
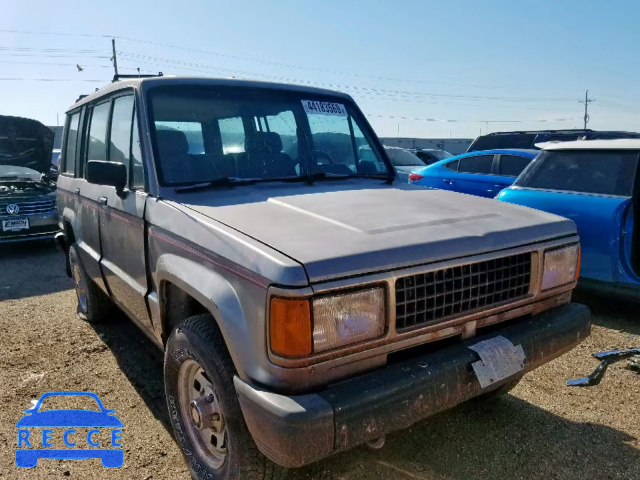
point(594, 184)
point(477, 173)
point(68, 420)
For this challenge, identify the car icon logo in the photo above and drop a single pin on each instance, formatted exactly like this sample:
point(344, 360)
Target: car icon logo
point(12, 209)
point(83, 433)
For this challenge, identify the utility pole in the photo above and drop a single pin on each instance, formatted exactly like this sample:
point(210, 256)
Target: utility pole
point(586, 102)
point(114, 59)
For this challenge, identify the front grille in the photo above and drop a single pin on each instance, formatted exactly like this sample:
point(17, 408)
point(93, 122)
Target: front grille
point(427, 298)
point(33, 207)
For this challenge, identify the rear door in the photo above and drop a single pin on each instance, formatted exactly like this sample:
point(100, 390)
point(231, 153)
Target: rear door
point(509, 167)
point(474, 176)
point(122, 229)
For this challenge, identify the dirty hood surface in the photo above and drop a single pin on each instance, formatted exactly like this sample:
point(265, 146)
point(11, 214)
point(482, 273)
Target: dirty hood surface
point(25, 143)
point(356, 226)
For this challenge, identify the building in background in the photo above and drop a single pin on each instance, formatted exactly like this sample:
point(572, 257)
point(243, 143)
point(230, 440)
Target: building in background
point(455, 146)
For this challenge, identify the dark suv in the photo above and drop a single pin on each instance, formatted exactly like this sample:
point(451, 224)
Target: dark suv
point(529, 139)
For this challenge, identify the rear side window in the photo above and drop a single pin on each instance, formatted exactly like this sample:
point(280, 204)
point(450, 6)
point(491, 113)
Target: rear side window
point(513, 165)
point(98, 132)
point(605, 172)
point(71, 149)
point(232, 135)
point(480, 164)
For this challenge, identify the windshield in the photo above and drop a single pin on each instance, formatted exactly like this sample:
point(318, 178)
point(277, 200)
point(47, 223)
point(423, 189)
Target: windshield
point(204, 133)
point(604, 172)
point(402, 158)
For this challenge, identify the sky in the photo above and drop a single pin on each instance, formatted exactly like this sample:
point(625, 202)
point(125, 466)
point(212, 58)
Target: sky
point(417, 68)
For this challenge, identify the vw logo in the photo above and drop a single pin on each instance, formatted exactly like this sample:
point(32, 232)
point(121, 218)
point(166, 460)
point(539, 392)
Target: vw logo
point(12, 209)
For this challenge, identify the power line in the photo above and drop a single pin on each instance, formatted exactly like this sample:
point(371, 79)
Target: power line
point(49, 55)
point(21, 79)
point(350, 87)
point(55, 64)
point(33, 32)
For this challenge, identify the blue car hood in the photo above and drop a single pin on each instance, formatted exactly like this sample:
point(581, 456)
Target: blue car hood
point(69, 418)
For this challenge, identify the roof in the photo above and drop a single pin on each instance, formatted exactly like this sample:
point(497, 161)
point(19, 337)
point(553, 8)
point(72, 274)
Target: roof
point(502, 151)
point(145, 82)
point(538, 132)
point(617, 144)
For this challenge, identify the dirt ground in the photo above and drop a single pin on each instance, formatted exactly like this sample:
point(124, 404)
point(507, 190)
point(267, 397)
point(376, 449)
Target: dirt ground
point(543, 430)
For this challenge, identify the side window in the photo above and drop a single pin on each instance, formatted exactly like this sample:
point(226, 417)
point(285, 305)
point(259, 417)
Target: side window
point(192, 131)
point(120, 137)
point(71, 146)
point(97, 148)
point(232, 135)
point(137, 167)
point(480, 164)
point(452, 165)
point(513, 165)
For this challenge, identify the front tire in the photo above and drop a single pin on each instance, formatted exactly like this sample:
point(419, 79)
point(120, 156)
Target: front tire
point(204, 409)
point(94, 306)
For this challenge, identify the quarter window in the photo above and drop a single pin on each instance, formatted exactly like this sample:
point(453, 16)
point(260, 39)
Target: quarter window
point(452, 165)
point(69, 165)
point(98, 132)
point(479, 164)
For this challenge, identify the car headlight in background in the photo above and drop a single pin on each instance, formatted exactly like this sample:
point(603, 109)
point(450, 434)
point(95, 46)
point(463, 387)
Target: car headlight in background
point(561, 266)
point(338, 320)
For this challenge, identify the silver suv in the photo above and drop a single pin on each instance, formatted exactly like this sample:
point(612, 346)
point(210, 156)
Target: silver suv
point(306, 300)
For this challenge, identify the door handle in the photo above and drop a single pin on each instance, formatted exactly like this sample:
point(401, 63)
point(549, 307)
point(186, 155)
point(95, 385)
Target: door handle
point(448, 182)
point(102, 200)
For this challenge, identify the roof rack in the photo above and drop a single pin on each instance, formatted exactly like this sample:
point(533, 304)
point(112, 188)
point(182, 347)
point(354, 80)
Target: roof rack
point(120, 76)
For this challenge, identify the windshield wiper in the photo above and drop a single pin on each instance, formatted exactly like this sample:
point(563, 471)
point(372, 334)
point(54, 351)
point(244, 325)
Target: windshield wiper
point(218, 182)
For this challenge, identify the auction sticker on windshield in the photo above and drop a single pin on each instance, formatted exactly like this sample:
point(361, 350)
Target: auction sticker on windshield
point(15, 224)
point(324, 108)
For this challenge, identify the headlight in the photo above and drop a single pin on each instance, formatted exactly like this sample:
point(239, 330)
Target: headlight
point(561, 266)
point(341, 320)
point(338, 320)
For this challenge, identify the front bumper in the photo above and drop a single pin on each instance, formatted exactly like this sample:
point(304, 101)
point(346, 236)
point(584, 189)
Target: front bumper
point(41, 227)
point(297, 430)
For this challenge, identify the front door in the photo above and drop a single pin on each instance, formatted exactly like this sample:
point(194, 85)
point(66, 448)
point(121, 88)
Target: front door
point(122, 229)
point(475, 176)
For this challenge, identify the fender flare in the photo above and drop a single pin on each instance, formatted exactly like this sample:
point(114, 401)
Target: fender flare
point(211, 290)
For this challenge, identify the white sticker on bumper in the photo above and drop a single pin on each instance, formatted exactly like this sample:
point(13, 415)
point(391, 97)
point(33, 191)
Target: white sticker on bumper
point(499, 359)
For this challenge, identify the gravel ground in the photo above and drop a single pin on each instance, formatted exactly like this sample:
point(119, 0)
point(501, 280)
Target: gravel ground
point(542, 430)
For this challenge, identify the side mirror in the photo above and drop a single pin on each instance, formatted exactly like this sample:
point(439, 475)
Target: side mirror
point(113, 174)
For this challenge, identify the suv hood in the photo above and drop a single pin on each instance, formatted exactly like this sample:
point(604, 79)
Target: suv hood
point(357, 226)
point(25, 143)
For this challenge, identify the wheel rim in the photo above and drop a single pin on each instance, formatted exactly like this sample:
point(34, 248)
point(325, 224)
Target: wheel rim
point(81, 288)
point(201, 414)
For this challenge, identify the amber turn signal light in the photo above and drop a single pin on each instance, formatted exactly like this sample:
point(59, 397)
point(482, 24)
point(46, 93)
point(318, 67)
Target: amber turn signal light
point(290, 327)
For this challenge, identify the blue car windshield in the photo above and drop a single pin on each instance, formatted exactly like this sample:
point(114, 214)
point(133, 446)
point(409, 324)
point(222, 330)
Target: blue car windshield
point(603, 172)
point(69, 402)
point(206, 133)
